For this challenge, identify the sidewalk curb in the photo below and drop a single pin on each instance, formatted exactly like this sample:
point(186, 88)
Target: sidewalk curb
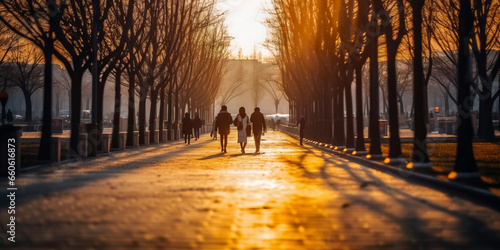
point(472, 193)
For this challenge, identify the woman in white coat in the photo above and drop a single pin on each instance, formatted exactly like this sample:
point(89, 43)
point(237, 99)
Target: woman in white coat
point(242, 121)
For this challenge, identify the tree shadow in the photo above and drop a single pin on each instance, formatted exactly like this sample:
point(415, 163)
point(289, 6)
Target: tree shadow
point(409, 221)
point(106, 169)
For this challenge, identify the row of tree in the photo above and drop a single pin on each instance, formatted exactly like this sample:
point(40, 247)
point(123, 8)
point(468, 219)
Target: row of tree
point(321, 48)
point(167, 53)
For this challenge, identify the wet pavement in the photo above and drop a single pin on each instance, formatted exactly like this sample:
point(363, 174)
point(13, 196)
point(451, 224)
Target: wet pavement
point(174, 196)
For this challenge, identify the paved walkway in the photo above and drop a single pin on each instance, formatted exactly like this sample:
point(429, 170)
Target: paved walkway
point(174, 196)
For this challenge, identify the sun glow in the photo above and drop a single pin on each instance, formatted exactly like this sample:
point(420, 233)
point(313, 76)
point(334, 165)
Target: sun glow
point(245, 22)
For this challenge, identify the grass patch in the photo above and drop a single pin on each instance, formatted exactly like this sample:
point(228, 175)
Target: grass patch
point(443, 155)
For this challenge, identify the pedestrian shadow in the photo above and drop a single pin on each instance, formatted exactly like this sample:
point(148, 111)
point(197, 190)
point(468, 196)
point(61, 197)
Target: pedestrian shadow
point(211, 157)
point(237, 155)
point(256, 154)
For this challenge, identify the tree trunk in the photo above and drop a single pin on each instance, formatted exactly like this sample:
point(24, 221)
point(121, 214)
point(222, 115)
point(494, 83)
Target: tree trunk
point(176, 107)
point(446, 104)
point(162, 113)
point(58, 104)
point(392, 91)
point(338, 127)
point(360, 140)
point(486, 131)
point(100, 113)
point(350, 117)
point(374, 96)
point(143, 92)
point(169, 115)
point(419, 154)
point(76, 107)
point(152, 115)
point(401, 106)
point(116, 115)
point(69, 99)
point(327, 114)
point(465, 162)
point(384, 102)
point(131, 110)
point(45, 149)
point(29, 108)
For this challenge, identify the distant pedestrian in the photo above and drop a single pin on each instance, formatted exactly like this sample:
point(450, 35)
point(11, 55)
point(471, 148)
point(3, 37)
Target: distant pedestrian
point(224, 121)
point(187, 128)
point(302, 123)
point(241, 122)
point(272, 125)
point(9, 116)
point(258, 123)
point(196, 126)
point(213, 134)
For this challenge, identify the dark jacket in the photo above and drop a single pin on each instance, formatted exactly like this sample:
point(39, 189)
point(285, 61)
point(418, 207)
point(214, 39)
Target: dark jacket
point(187, 126)
point(196, 123)
point(224, 121)
point(258, 121)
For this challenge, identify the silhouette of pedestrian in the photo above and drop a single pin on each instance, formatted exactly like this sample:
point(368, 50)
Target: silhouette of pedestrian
point(187, 128)
point(223, 122)
point(258, 123)
point(196, 126)
point(213, 134)
point(9, 116)
point(302, 122)
point(242, 121)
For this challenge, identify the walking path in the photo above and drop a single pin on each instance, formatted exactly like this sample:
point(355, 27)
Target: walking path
point(174, 196)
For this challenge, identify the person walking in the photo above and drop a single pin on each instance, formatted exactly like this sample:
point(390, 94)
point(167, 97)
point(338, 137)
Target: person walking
point(242, 121)
point(187, 128)
point(258, 123)
point(302, 122)
point(196, 126)
point(223, 122)
point(9, 116)
point(213, 134)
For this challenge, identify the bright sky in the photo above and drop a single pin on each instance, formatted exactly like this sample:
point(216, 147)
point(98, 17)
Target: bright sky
point(244, 20)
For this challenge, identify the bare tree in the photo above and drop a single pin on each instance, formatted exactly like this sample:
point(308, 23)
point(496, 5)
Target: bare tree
point(27, 72)
point(271, 82)
point(233, 89)
point(35, 21)
point(6, 42)
point(486, 31)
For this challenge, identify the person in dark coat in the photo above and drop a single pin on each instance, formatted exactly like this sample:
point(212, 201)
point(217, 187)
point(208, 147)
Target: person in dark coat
point(259, 123)
point(224, 121)
point(9, 116)
point(302, 123)
point(187, 128)
point(196, 126)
